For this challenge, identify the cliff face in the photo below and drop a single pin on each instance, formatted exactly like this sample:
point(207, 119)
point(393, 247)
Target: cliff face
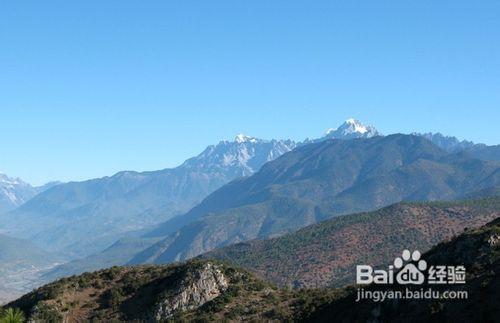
point(208, 283)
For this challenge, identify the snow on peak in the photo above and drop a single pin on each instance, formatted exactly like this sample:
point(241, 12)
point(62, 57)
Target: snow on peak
point(241, 138)
point(352, 128)
point(4, 179)
point(356, 126)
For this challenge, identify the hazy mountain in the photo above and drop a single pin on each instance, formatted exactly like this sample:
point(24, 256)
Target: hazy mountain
point(20, 262)
point(485, 152)
point(119, 253)
point(326, 254)
point(242, 157)
point(448, 143)
point(14, 192)
point(81, 218)
point(20, 250)
point(452, 144)
point(315, 182)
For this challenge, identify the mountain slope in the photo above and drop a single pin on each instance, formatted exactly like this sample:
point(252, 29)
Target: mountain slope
point(315, 182)
point(452, 144)
point(477, 250)
point(210, 291)
point(215, 158)
point(325, 254)
point(119, 253)
point(191, 292)
point(81, 218)
point(19, 250)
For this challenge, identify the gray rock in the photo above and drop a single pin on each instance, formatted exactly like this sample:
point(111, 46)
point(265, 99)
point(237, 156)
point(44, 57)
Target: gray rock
point(207, 283)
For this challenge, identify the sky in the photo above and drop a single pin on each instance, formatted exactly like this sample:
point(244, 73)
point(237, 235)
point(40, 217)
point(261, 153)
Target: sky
point(89, 88)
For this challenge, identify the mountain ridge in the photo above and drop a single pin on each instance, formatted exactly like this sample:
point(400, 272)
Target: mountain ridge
point(317, 181)
point(130, 201)
point(325, 254)
point(14, 192)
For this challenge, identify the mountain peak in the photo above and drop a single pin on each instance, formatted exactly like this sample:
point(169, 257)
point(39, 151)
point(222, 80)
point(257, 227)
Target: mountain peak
point(4, 179)
point(448, 143)
point(352, 128)
point(241, 138)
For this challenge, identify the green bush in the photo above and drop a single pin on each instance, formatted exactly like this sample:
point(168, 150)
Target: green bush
point(11, 315)
point(114, 297)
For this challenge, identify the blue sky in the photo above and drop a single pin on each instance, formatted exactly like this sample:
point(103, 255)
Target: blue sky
point(88, 88)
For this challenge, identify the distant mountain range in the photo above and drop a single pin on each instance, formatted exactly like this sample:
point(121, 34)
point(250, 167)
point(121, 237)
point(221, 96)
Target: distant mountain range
point(81, 218)
point(326, 254)
point(452, 144)
point(318, 181)
point(349, 200)
point(113, 220)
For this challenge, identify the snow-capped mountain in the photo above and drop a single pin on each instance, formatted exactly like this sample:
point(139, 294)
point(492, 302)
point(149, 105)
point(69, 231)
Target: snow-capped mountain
point(14, 192)
point(351, 129)
point(241, 157)
point(98, 212)
point(448, 143)
point(454, 145)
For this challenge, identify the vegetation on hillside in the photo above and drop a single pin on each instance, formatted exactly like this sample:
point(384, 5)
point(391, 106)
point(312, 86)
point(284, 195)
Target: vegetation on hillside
point(478, 250)
point(130, 294)
point(326, 254)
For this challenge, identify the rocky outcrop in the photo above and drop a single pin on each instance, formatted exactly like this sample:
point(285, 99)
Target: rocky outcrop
point(194, 290)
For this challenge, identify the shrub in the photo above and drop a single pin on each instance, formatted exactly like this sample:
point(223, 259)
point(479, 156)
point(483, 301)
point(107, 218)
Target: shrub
point(12, 315)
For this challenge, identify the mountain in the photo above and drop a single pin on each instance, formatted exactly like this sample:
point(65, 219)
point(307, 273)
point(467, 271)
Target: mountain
point(351, 129)
point(244, 159)
point(448, 143)
point(485, 152)
point(19, 250)
point(119, 253)
point(14, 192)
point(209, 291)
point(318, 181)
point(196, 291)
point(477, 250)
point(326, 254)
point(452, 144)
point(82, 218)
